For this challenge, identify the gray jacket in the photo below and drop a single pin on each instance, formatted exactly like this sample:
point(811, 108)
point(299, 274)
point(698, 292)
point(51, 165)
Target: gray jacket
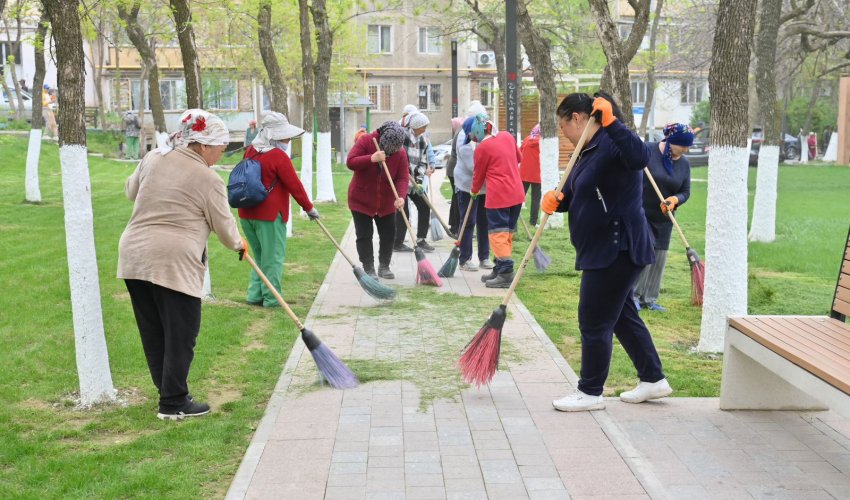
point(464, 165)
point(132, 126)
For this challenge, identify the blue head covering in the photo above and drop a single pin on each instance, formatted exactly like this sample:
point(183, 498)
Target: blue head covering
point(479, 128)
point(467, 128)
point(679, 134)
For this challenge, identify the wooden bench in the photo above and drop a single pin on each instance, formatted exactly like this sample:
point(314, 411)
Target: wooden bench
point(791, 362)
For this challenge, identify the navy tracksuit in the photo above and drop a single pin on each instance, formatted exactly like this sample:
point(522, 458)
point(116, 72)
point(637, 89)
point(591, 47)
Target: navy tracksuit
point(608, 228)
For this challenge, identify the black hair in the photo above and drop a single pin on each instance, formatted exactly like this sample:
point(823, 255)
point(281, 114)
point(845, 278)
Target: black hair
point(580, 102)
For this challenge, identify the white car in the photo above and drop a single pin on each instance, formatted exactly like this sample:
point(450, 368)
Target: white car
point(4, 100)
point(442, 153)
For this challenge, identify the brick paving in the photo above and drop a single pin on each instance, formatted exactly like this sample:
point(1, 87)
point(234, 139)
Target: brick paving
point(505, 441)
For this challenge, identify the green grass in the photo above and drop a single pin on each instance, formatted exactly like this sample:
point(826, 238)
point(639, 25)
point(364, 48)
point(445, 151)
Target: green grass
point(52, 450)
point(794, 275)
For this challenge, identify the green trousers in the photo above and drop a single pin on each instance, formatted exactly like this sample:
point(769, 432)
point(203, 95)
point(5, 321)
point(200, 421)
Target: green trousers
point(132, 148)
point(267, 242)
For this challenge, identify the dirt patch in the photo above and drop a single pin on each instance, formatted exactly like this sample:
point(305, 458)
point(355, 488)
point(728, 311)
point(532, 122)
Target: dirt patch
point(220, 396)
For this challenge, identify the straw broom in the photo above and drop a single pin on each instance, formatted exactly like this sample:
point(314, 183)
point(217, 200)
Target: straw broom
point(480, 358)
point(330, 366)
point(425, 272)
point(436, 230)
point(369, 284)
point(449, 268)
point(434, 214)
point(541, 260)
point(697, 267)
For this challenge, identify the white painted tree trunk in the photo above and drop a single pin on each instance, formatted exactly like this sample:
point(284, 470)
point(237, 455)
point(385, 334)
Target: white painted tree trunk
point(289, 222)
point(831, 153)
point(206, 291)
point(725, 244)
point(307, 163)
point(804, 150)
point(549, 174)
point(763, 225)
point(324, 174)
point(33, 191)
point(92, 356)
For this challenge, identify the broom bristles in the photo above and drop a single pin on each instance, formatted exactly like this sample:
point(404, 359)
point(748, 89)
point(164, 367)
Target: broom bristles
point(450, 266)
point(371, 286)
point(697, 277)
point(332, 369)
point(425, 273)
point(480, 358)
point(436, 229)
point(541, 260)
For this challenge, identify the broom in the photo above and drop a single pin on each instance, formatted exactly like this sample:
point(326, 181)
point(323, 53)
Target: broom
point(369, 284)
point(541, 260)
point(330, 367)
point(480, 358)
point(434, 214)
point(436, 230)
point(425, 272)
point(449, 268)
point(697, 267)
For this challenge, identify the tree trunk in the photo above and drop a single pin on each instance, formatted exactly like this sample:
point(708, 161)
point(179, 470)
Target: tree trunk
point(650, 70)
point(32, 186)
point(807, 125)
point(307, 83)
point(726, 211)
point(92, 356)
point(264, 35)
point(191, 65)
point(619, 53)
point(14, 45)
point(321, 73)
point(763, 226)
point(538, 50)
point(147, 51)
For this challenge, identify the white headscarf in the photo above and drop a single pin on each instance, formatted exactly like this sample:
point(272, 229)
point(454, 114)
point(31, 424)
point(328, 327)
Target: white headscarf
point(417, 120)
point(476, 108)
point(275, 127)
point(408, 110)
point(197, 125)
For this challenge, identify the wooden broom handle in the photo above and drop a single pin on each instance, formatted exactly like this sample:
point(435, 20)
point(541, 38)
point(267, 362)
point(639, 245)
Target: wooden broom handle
point(336, 244)
point(539, 232)
point(392, 185)
point(431, 206)
point(465, 218)
point(669, 212)
point(272, 289)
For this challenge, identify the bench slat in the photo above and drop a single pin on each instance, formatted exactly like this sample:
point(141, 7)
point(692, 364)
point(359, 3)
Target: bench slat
point(842, 293)
point(845, 267)
point(844, 281)
point(840, 329)
point(841, 306)
point(828, 329)
point(813, 340)
point(834, 371)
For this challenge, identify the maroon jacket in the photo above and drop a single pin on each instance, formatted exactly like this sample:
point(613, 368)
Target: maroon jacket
point(275, 164)
point(370, 192)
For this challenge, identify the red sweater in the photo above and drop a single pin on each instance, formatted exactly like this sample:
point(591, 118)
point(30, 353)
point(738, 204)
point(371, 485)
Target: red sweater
point(275, 164)
point(496, 161)
point(369, 192)
point(529, 167)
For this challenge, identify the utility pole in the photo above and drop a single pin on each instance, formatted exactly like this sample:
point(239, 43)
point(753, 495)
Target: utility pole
point(454, 78)
point(511, 96)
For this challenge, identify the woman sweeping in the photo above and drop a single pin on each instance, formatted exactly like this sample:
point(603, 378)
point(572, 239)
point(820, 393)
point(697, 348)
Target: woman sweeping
point(672, 172)
point(162, 254)
point(477, 221)
point(529, 171)
point(603, 196)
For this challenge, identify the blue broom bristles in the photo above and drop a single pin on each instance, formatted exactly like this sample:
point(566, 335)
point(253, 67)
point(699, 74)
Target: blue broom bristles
point(449, 268)
point(436, 229)
point(541, 260)
point(371, 286)
point(332, 369)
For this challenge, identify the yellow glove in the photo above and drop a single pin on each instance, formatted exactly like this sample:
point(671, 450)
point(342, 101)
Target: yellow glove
point(550, 202)
point(604, 111)
point(669, 204)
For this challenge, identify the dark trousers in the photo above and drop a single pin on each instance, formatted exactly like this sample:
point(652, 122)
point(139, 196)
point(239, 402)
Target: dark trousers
point(423, 223)
point(535, 201)
point(605, 309)
point(168, 322)
point(455, 219)
point(477, 223)
point(364, 230)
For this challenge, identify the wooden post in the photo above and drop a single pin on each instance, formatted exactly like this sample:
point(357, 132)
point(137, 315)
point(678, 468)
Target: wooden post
point(843, 121)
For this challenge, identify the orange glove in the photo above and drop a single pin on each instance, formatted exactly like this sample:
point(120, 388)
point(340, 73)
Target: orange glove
point(550, 201)
point(244, 250)
point(604, 111)
point(669, 204)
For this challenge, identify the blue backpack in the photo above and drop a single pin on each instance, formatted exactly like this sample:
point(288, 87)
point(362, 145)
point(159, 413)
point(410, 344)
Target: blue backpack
point(245, 188)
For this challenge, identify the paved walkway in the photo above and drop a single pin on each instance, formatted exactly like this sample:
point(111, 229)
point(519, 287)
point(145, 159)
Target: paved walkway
point(437, 438)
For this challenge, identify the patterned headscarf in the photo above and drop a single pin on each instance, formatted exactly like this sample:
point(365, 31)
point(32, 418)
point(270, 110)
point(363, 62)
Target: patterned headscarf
point(197, 125)
point(391, 137)
point(679, 134)
point(535, 132)
point(480, 127)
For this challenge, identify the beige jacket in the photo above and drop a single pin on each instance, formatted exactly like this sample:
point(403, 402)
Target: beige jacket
point(178, 201)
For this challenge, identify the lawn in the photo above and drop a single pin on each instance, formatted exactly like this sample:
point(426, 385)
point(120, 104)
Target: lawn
point(50, 449)
point(794, 275)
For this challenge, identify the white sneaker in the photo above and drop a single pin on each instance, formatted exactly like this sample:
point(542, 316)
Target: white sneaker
point(646, 391)
point(579, 402)
point(485, 264)
point(468, 266)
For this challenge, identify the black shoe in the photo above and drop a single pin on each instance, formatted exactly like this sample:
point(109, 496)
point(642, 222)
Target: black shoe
point(424, 246)
point(401, 247)
point(190, 409)
point(500, 281)
point(384, 272)
point(488, 277)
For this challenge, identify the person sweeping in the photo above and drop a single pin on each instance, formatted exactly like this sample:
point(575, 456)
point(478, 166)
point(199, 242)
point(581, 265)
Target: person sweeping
point(477, 221)
point(612, 240)
point(496, 162)
point(416, 148)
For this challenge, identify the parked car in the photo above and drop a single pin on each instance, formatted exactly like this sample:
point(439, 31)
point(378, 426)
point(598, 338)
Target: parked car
point(698, 153)
point(442, 152)
point(13, 96)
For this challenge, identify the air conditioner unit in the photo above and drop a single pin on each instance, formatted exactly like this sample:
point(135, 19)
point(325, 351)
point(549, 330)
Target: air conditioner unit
point(486, 58)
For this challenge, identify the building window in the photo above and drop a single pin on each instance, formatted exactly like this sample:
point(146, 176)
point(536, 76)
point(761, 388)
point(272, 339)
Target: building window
point(430, 97)
point(381, 95)
point(220, 94)
point(136, 94)
point(481, 45)
point(379, 39)
point(693, 92)
point(638, 92)
point(486, 98)
point(173, 94)
point(429, 41)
